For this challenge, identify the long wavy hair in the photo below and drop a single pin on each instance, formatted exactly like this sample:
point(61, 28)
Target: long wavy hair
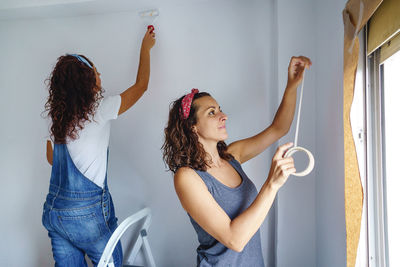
point(73, 97)
point(181, 147)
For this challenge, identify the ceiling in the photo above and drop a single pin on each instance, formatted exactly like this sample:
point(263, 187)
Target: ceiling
point(34, 9)
point(13, 4)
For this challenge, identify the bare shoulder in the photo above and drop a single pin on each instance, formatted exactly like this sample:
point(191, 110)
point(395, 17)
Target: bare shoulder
point(190, 188)
point(185, 171)
point(185, 176)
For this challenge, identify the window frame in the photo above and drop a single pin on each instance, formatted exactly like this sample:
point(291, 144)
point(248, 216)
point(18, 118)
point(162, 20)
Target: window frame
point(375, 176)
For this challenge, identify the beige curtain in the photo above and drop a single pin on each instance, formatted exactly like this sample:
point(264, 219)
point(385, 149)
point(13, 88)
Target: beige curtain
point(355, 16)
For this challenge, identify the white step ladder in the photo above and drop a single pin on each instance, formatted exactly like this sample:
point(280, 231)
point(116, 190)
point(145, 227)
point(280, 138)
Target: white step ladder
point(141, 242)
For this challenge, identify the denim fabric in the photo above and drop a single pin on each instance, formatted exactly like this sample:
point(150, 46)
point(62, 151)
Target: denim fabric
point(78, 214)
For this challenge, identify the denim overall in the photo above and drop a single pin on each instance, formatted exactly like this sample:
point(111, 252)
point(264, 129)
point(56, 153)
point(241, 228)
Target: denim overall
point(78, 214)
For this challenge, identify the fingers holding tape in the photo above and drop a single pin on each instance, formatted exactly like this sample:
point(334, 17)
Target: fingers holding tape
point(311, 162)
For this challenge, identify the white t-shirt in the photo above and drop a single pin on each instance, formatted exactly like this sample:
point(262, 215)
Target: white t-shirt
point(89, 150)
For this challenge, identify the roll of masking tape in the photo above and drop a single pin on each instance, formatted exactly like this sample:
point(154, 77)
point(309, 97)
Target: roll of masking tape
point(310, 166)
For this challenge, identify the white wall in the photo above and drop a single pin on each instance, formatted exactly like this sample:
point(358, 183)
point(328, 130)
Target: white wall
point(296, 200)
point(330, 230)
point(237, 50)
point(310, 210)
point(215, 46)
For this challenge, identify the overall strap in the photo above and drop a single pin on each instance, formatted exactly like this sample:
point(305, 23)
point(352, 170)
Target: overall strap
point(66, 180)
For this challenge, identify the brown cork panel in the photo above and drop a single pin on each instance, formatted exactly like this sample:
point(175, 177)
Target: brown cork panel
point(353, 192)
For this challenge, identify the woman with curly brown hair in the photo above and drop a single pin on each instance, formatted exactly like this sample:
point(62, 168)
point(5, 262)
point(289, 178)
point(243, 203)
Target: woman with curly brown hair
point(79, 212)
point(222, 203)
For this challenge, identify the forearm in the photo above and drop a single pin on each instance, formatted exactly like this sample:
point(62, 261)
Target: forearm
point(49, 152)
point(284, 116)
point(131, 95)
point(285, 113)
point(143, 74)
point(244, 226)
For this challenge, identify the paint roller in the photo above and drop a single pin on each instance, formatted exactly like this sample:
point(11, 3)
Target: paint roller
point(150, 16)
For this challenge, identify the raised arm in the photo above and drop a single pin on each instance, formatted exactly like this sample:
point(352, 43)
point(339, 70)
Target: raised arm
point(248, 148)
point(133, 93)
point(234, 234)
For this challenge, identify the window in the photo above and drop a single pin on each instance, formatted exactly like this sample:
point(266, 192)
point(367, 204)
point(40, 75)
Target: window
point(390, 71)
point(380, 240)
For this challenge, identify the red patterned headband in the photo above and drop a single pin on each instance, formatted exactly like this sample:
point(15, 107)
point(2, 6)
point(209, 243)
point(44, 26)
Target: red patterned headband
point(187, 102)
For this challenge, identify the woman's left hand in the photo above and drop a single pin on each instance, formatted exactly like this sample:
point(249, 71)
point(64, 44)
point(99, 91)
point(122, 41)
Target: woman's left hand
point(296, 70)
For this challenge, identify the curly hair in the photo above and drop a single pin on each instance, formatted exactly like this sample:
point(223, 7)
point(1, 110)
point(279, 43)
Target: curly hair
point(181, 146)
point(73, 97)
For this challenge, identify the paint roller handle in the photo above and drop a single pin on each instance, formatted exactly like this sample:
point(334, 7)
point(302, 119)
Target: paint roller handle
point(151, 28)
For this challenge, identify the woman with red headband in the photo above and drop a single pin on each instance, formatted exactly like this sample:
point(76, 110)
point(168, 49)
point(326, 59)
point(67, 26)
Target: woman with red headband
point(79, 212)
point(223, 204)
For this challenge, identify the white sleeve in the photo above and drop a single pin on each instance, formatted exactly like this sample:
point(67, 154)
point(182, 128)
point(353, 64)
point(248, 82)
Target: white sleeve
point(48, 124)
point(109, 107)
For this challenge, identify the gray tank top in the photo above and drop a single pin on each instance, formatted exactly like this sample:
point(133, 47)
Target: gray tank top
point(233, 201)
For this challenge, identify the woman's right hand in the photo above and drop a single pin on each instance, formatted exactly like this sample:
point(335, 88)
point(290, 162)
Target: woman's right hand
point(281, 167)
point(149, 39)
